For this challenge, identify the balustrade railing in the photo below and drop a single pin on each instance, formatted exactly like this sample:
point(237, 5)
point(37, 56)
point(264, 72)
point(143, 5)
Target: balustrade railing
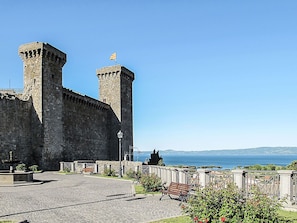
point(294, 187)
point(221, 178)
point(281, 184)
point(267, 181)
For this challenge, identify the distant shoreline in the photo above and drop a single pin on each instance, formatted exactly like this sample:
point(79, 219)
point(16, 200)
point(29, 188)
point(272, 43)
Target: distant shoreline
point(248, 151)
point(226, 161)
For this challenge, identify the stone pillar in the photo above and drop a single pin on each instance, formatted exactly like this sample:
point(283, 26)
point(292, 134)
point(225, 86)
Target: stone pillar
point(174, 173)
point(203, 177)
point(163, 174)
point(239, 178)
point(72, 167)
point(96, 168)
point(182, 177)
point(168, 176)
point(285, 187)
point(61, 166)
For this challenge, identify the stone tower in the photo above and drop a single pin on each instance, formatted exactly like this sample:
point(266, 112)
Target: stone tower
point(115, 89)
point(43, 84)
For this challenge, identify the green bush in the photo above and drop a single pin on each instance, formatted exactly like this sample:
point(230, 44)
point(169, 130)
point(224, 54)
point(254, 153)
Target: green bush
point(261, 207)
point(133, 174)
point(151, 182)
point(33, 168)
point(292, 165)
point(21, 167)
point(109, 172)
point(228, 204)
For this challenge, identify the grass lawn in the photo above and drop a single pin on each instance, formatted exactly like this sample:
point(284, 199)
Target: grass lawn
point(289, 215)
point(140, 190)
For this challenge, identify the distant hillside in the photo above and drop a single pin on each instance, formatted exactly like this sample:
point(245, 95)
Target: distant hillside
point(249, 151)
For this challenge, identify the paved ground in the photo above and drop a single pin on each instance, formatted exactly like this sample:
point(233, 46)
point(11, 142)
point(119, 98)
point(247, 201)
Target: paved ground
point(83, 199)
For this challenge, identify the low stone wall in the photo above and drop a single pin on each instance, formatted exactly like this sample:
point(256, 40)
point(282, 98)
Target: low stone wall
point(171, 174)
point(99, 166)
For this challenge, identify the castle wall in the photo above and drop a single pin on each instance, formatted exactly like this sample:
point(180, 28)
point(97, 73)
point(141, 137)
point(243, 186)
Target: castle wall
point(15, 128)
point(48, 124)
point(88, 125)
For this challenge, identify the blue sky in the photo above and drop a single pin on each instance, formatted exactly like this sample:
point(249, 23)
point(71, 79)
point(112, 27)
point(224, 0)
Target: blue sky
point(209, 74)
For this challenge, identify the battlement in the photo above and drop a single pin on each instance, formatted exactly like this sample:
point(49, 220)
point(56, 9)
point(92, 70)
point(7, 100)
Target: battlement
point(38, 49)
point(114, 70)
point(84, 100)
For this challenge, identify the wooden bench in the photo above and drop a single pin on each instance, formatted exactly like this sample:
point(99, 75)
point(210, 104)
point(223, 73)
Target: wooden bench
point(88, 170)
point(177, 189)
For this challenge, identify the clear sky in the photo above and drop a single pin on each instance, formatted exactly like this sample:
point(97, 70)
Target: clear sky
point(209, 74)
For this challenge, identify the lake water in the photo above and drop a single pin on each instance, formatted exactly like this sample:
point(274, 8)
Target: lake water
point(224, 161)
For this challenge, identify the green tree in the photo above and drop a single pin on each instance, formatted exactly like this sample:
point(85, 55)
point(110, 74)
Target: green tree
point(292, 165)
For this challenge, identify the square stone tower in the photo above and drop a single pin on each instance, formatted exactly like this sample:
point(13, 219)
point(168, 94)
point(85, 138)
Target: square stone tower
point(43, 84)
point(115, 89)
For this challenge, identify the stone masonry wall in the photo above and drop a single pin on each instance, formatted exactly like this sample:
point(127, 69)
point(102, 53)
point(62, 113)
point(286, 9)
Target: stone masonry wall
point(15, 125)
point(87, 128)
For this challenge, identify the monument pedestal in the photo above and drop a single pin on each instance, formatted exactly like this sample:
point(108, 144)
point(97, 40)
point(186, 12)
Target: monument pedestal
point(7, 178)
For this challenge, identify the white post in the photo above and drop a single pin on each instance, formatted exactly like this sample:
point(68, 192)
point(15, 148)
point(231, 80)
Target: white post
point(239, 178)
point(203, 177)
point(285, 187)
point(72, 166)
point(61, 166)
point(96, 168)
point(168, 176)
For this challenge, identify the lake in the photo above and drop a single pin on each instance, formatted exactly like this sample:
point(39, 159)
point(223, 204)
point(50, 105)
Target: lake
point(224, 161)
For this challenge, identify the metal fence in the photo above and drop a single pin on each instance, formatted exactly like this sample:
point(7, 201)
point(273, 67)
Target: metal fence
point(294, 188)
point(145, 169)
point(267, 181)
point(221, 178)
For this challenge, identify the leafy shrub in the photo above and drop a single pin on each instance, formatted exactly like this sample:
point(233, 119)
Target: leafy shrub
point(228, 204)
point(261, 207)
point(151, 182)
point(67, 170)
point(133, 174)
point(33, 168)
point(292, 165)
point(21, 167)
point(109, 172)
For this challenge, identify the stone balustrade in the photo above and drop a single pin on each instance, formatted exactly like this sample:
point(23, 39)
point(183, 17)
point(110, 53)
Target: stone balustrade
point(284, 182)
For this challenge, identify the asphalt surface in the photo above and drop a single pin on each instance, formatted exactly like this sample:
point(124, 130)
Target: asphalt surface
point(83, 199)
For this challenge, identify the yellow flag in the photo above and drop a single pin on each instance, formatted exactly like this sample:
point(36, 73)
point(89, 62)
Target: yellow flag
point(113, 56)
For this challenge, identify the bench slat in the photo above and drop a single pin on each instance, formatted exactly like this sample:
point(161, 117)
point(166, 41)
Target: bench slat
point(177, 189)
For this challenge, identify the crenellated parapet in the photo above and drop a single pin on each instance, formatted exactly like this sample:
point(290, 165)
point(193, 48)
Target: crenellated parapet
point(38, 49)
point(107, 72)
point(84, 100)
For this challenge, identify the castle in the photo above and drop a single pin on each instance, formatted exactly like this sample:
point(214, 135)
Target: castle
point(47, 123)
